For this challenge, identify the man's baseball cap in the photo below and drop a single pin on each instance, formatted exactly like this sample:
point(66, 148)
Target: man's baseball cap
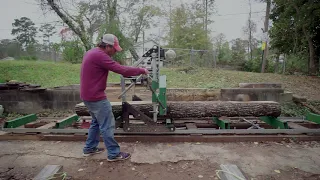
point(112, 40)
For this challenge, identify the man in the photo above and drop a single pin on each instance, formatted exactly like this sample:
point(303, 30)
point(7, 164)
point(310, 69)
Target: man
point(95, 67)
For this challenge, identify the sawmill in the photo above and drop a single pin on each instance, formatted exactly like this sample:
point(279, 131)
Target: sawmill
point(156, 118)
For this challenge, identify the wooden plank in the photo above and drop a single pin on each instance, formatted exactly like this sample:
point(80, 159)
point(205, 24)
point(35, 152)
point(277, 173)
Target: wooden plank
point(234, 172)
point(2, 133)
point(293, 125)
point(52, 172)
point(191, 126)
point(34, 124)
point(48, 126)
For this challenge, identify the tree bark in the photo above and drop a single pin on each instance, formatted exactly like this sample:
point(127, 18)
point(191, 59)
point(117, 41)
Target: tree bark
point(71, 25)
point(134, 54)
point(198, 109)
point(266, 27)
point(312, 61)
point(312, 64)
point(276, 65)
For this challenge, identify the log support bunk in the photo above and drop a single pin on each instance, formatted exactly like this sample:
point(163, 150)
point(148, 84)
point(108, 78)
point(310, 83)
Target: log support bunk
point(162, 121)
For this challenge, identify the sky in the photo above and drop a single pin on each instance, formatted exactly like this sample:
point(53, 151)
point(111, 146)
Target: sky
point(230, 18)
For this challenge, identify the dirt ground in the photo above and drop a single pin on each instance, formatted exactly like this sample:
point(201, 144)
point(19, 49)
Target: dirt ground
point(177, 161)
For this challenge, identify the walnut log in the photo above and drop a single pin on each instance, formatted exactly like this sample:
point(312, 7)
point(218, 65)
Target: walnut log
point(196, 109)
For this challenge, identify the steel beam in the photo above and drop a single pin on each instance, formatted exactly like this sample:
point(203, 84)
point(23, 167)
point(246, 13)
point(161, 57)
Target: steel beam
point(275, 122)
point(165, 138)
point(223, 124)
point(66, 122)
point(177, 132)
point(20, 121)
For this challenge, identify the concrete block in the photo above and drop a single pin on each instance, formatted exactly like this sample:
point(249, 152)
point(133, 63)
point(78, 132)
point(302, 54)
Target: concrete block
point(46, 104)
point(298, 99)
point(76, 95)
point(46, 95)
point(70, 87)
point(252, 94)
point(286, 96)
point(8, 95)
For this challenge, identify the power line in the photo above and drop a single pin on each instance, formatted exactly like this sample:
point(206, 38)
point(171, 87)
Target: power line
point(240, 13)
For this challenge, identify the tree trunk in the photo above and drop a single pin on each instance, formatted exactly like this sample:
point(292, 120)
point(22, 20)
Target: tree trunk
point(276, 66)
point(195, 109)
point(68, 21)
point(134, 54)
point(312, 61)
point(266, 26)
point(317, 59)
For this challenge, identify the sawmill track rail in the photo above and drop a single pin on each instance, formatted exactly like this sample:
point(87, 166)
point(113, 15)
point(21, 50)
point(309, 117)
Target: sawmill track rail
point(188, 130)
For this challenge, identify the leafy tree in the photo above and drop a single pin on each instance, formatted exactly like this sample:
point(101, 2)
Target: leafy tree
point(238, 48)
point(219, 40)
point(142, 15)
point(9, 47)
point(296, 30)
point(249, 30)
point(72, 51)
point(187, 30)
point(47, 31)
point(225, 54)
point(25, 31)
point(92, 19)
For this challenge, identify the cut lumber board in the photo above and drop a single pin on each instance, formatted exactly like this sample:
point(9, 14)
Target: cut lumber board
point(233, 169)
point(193, 109)
point(191, 126)
point(34, 124)
point(49, 172)
point(48, 126)
point(293, 125)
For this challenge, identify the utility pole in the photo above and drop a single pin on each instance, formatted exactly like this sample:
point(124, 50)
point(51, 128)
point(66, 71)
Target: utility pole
point(250, 33)
point(266, 26)
point(206, 23)
point(170, 23)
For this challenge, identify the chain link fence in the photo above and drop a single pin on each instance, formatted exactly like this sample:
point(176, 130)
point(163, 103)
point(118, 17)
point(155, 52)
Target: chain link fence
point(192, 57)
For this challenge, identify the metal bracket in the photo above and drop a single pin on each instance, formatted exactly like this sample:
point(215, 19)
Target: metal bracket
point(150, 125)
point(275, 122)
point(253, 125)
point(67, 121)
point(20, 121)
point(313, 117)
point(223, 124)
point(124, 91)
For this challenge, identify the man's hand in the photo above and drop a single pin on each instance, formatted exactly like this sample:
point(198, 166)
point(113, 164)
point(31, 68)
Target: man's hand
point(146, 71)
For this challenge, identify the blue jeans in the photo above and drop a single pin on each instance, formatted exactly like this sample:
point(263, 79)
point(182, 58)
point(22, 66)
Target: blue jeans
point(102, 122)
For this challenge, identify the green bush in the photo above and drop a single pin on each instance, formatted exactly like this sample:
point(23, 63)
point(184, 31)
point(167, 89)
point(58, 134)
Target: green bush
point(296, 63)
point(73, 51)
point(27, 58)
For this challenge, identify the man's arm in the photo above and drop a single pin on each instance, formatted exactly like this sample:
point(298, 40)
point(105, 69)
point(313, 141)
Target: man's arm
point(107, 63)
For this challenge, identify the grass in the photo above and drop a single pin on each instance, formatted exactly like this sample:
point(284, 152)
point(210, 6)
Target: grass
point(46, 74)
point(49, 74)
